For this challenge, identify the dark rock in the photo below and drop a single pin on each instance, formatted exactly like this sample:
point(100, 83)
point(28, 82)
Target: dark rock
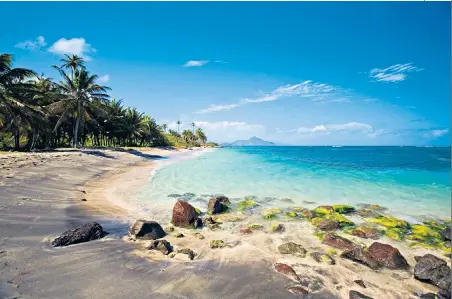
point(161, 245)
point(189, 195)
point(300, 291)
point(338, 242)
point(198, 223)
point(361, 256)
point(366, 233)
point(443, 294)
point(357, 295)
point(320, 257)
point(86, 232)
point(215, 206)
point(190, 253)
point(279, 228)
point(433, 270)
point(328, 224)
point(246, 231)
point(428, 296)
point(360, 283)
point(446, 234)
point(223, 199)
point(184, 215)
point(148, 230)
point(208, 220)
point(83, 199)
point(287, 270)
point(417, 258)
point(387, 256)
point(292, 248)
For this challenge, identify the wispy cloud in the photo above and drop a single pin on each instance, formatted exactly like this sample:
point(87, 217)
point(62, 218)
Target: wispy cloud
point(73, 46)
point(104, 78)
point(226, 124)
point(305, 89)
point(393, 73)
point(346, 127)
point(436, 133)
point(214, 108)
point(35, 45)
point(370, 100)
point(196, 63)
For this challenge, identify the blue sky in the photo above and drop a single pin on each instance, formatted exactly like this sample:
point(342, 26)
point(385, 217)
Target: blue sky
point(317, 73)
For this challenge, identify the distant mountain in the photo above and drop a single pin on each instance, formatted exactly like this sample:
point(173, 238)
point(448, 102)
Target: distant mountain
point(253, 141)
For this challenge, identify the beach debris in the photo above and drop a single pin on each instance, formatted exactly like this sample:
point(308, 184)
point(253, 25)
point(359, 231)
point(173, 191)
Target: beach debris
point(246, 204)
point(86, 232)
point(217, 244)
point(179, 235)
point(199, 236)
point(357, 295)
point(321, 257)
point(185, 215)
point(287, 270)
point(343, 209)
point(376, 256)
point(434, 270)
point(360, 283)
point(246, 231)
point(292, 248)
point(148, 230)
point(161, 245)
point(216, 205)
point(338, 242)
point(300, 291)
point(278, 228)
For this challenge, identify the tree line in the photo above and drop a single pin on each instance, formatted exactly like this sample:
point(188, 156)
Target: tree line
point(37, 112)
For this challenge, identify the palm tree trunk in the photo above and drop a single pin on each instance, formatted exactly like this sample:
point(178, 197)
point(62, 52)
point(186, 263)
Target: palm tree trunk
point(77, 123)
point(17, 139)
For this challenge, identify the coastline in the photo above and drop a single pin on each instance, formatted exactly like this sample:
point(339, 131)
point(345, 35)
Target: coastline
point(32, 217)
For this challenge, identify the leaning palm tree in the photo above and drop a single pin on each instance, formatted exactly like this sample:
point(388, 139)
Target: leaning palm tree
point(178, 124)
point(77, 95)
point(201, 136)
point(12, 88)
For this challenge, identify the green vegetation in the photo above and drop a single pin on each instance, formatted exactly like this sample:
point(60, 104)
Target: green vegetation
point(39, 112)
point(343, 209)
point(390, 222)
point(255, 226)
point(217, 244)
point(245, 204)
point(292, 214)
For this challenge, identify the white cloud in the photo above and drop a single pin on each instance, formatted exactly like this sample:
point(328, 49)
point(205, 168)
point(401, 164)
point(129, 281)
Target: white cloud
point(73, 46)
point(436, 133)
point(35, 45)
point(393, 73)
point(104, 78)
point(347, 127)
point(196, 63)
point(214, 108)
point(226, 124)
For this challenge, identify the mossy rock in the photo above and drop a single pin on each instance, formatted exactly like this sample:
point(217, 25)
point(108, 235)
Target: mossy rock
point(395, 233)
point(228, 218)
point(198, 211)
point(292, 214)
point(297, 209)
point(179, 235)
point(271, 214)
point(323, 210)
point(367, 213)
point(320, 235)
point(255, 226)
point(424, 233)
point(217, 244)
point(251, 198)
point(246, 204)
point(278, 228)
point(316, 221)
point(436, 225)
point(342, 220)
point(332, 252)
point(390, 222)
point(343, 209)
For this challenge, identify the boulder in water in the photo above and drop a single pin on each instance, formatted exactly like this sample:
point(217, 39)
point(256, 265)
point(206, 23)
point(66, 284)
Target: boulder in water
point(148, 230)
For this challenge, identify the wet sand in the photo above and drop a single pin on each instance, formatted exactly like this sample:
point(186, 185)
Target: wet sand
point(41, 197)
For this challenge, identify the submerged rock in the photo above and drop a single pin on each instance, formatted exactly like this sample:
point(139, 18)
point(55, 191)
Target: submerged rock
point(223, 199)
point(292, 248)
point(434, 270)
point(185, 215)
point(148, 230)
point(174, 195)
point(287, 270)
point(323, 210)
point(161, 245)
point(320, 257)
point(338, 242)
point(246, 204)
point(300, 291)
point(86, 232)
point(357, 295)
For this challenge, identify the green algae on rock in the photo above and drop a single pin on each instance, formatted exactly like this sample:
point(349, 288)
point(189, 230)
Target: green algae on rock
point(292, 214)
point(246, 204)
point(323, 210)
point(255, 226)
point(343, 209)
point(278, 228)
point(390, 222)
point(217, 244)
point(271, 214)
point(395, 233)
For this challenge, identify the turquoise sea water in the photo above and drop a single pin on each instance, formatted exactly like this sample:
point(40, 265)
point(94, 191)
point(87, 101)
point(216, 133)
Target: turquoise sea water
point(409, 181)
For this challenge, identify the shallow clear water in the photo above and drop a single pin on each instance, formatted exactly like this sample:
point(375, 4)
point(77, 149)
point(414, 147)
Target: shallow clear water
point(410, 181)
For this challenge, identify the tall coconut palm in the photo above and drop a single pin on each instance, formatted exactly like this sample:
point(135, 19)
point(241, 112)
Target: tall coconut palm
point(77, 95)
point(12, 88)
point(201, 136)
point(178, 124)
point(164, 127)
point(193, 127)
point(73, 63)
point(188, 136)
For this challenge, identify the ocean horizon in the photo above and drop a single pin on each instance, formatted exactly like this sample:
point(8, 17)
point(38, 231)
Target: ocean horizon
point(412, 182)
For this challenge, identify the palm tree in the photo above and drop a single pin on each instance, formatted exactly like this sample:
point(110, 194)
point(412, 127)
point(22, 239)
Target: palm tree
point(164, 127)
point(178, 124)
point(188, 137)
point(73, 63)
point(12, 88)
point(78, 94)
point(193, 126)
point(201, 136)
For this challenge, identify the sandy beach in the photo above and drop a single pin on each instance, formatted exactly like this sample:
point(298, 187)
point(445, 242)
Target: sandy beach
point(44, 194)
